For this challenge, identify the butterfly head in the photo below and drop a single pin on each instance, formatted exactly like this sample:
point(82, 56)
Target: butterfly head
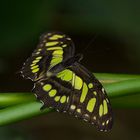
point(79, 57)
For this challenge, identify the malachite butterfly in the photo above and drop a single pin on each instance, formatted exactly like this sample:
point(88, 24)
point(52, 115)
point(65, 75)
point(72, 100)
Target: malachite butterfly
point(62, 83)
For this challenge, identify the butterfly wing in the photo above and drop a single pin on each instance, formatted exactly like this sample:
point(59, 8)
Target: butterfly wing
point(53, 48)
point(93, 102)
point(75, 90)
point(53, 94)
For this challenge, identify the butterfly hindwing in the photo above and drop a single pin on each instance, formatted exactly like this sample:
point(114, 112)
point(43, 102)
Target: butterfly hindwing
point(52, 49)
point(53, 94)
point(80, 94)
point(93, 98)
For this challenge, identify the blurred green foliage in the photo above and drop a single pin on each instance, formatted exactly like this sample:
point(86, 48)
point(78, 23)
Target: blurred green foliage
point(23, 20)
point(118, 22)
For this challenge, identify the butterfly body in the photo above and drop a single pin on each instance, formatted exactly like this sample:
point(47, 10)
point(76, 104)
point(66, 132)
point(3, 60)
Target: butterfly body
point(63, 65)
point(62, 83)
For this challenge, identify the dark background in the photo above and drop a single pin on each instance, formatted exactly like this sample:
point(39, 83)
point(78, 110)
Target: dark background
point(106, 32)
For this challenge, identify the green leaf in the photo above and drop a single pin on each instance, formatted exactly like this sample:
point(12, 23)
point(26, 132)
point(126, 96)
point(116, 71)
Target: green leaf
point(21, 112)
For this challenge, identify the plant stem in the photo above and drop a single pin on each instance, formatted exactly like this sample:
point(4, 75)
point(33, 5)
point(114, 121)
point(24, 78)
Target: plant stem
point(123, 91)
point(31, 109)
point(118, 89)
point(8, 99)
point(108, 78)
point(128, 87)
point(21, 112)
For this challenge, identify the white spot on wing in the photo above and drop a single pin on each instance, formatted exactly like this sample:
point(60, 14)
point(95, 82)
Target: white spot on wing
point(41, 102)
point(35, 95)
point(103, 90)
point(85, 120)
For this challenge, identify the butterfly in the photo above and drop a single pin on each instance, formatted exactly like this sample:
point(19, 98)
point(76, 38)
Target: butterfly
point(62, 83)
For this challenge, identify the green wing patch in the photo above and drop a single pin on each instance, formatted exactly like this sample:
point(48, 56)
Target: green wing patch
point(49, 92)
point(52, 49)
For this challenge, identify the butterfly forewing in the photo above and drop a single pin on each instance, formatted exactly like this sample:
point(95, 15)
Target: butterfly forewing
point(52, 49)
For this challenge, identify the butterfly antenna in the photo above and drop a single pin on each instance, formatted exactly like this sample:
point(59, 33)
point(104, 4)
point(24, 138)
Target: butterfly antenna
point(89, 44)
